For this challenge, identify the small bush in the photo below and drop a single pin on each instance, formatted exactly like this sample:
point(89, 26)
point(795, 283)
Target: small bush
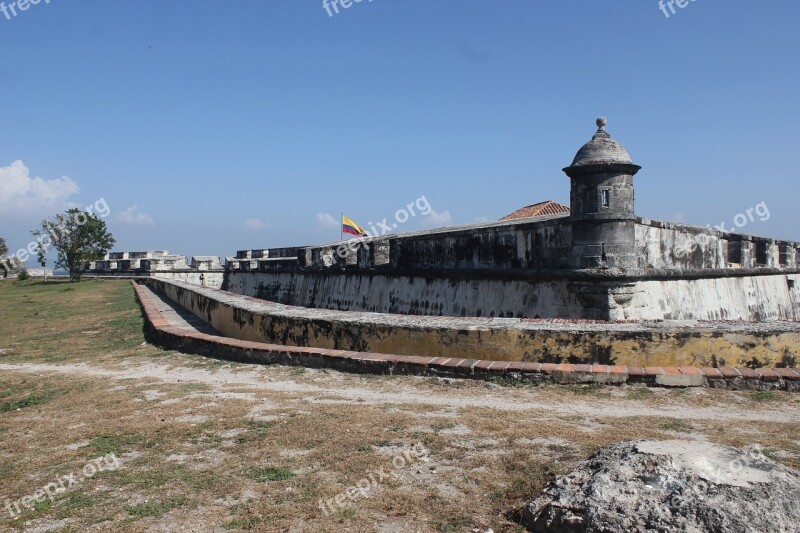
point(23, 276)
point(639, 393)
point(765, 396)
point(507, 380)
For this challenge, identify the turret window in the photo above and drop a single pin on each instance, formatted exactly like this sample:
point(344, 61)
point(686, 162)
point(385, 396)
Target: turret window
point(605, 198)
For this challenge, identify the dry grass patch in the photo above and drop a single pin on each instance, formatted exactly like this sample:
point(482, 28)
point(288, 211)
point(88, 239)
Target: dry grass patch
point(206, 444)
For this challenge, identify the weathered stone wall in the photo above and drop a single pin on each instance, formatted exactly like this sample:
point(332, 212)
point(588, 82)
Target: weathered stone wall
point(731, 296)
point(543, 244)
point(506, 339)
point(410, 294)
point(540, 245)
point(666, 245)
point(523, 269)
point(748, 298)
point(211, 279)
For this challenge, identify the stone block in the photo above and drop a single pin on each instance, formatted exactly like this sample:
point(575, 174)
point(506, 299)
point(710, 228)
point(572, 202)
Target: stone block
point(680, 380)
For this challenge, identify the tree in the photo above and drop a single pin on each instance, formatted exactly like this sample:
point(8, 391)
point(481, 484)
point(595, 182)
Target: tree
point(41, 257)
point(77, 237)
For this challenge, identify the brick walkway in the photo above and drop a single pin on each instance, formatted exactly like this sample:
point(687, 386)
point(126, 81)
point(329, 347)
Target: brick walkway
point(171, 326)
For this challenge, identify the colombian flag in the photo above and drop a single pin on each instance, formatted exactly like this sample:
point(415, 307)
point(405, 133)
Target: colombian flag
point(348, 226)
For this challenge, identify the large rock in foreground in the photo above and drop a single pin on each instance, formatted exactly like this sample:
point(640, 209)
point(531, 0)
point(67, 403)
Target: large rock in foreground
point(670, 486)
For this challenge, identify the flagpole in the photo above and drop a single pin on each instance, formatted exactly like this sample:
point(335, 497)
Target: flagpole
point(341, 226)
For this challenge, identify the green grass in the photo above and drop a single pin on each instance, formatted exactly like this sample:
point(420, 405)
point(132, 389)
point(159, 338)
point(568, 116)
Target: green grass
point(31, 400)
point(591, 388)
point(678, 425)
point(639, 394)
point(506, 381)
point(156, 509)
point(174, 477)
point(765, 396)
point(255, 430)
point(204, 433)
point(116, 444)
point(262, 475)
point(61, 321)
point(259, 427)
point(75, 502)
point(346, 514)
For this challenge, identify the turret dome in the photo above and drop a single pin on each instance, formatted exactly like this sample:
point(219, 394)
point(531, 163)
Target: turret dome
point(601, 149)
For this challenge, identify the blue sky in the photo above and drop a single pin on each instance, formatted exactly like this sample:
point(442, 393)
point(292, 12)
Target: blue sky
point(212, 126)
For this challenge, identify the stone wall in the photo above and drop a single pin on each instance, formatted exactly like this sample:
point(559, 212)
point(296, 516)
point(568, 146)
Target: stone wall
point(544, 243)
point(523, 269)
point(497, 339)
point(541, 244)
point(748, 298)
point(736, 295)
point(212, 279)
point(667, 245)
point(410, 294)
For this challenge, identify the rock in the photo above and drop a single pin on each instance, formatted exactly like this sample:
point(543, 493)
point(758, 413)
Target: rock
point(670, 486)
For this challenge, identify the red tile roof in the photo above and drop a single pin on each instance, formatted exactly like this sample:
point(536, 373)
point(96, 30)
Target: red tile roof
point(537, 210)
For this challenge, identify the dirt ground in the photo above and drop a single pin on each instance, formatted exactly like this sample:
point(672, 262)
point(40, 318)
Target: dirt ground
point(204, 445)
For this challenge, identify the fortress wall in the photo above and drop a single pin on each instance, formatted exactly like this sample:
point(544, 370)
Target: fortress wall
point(410, 294)
point(212, 279)
point(521, 269)
point(749, 298)
point(539, 245)
point(481, 338)
point(666, 245)
point(725, 297)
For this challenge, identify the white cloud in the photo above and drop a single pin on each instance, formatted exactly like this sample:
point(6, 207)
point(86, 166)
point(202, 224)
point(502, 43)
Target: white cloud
point(437, 220)
point(130, 216)
point(680, 216)
point(20, 191)
point(255, 224)
point(327, 220)
point(482, 220)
